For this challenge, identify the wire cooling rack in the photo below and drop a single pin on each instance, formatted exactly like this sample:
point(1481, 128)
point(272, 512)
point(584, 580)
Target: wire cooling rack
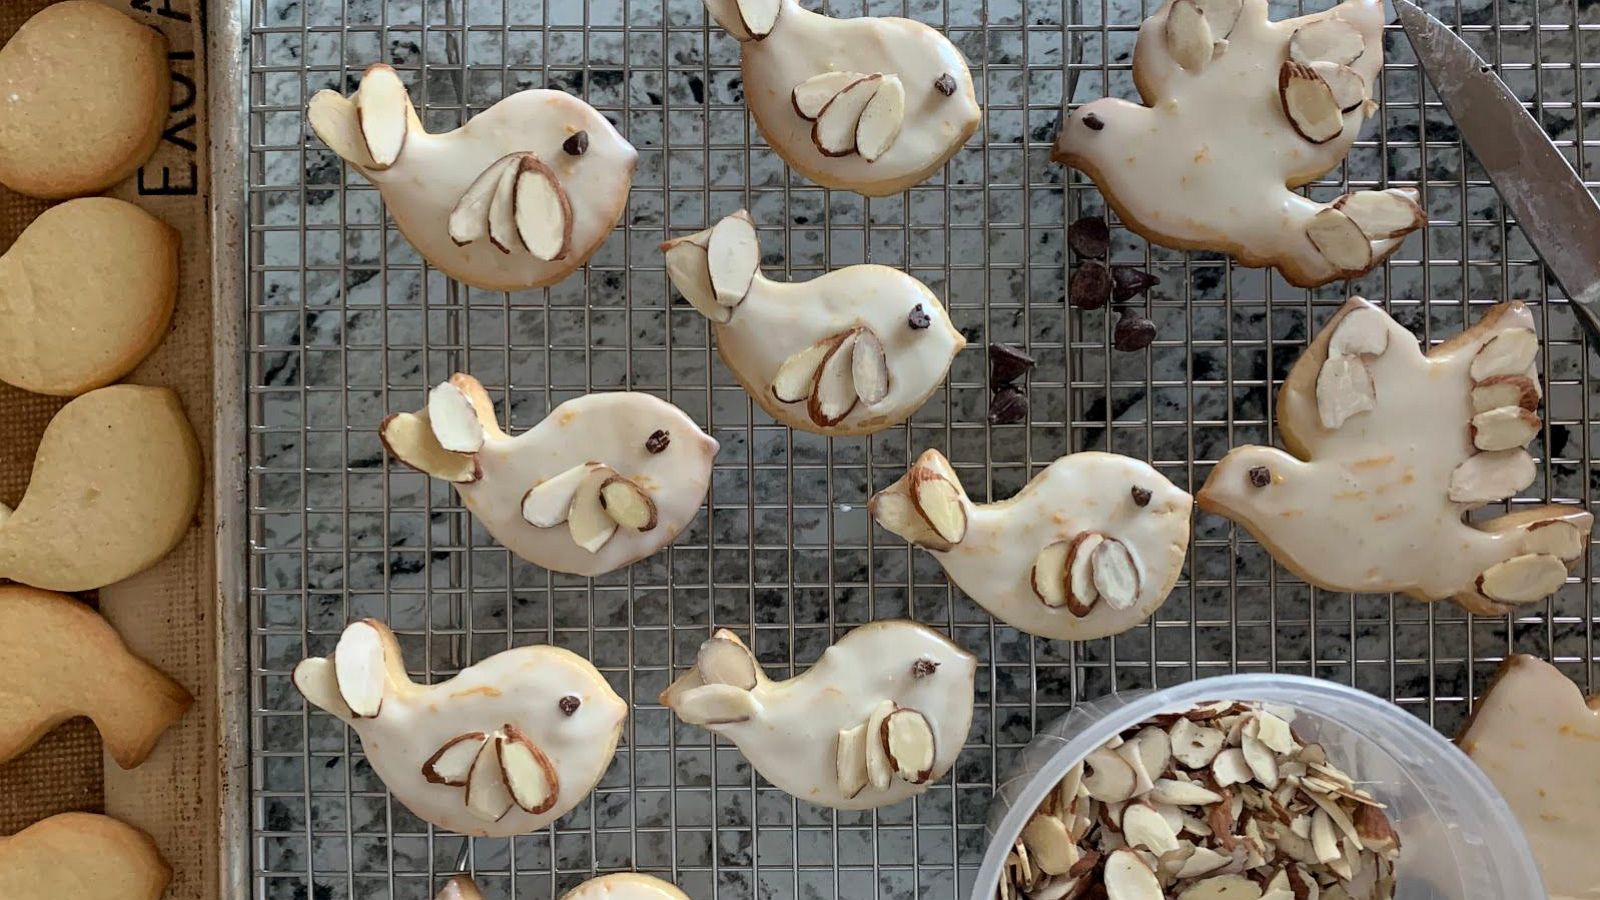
point(346, 324)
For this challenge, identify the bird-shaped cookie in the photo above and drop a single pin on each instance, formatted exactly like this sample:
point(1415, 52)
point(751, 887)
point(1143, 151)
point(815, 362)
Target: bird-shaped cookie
point(507, 746)
point(1090, 547)
point(616, 886)
point(1237, 112)
point(853, 351)
point(81, 856)
point(602, 482)
point(881, 715)
point(1389, 448)
point(518, 197)
point(872, 105)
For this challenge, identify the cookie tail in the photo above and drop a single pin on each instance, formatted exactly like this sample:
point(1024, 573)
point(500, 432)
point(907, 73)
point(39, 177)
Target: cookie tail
point(927, 506)
point(1537, 548)
point(133, 716)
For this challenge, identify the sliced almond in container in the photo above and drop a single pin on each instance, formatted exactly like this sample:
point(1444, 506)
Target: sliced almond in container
point(1049, 574)
point(1182, 793)
point(1344, 388)
point(1108, 777)
point(1309, 103)
point(941, 504)
point(543, 211)
point(1523, 579)
point(1194, 745)
point(452, 762)
point(852, 760)
point(1504, 428)
point(881, 119)
point(733, 255)
point(1129, 877)
point(1327, 40)
point(1505, 390)
point(1375, 831)
point(1560, 539)
point(759, 17)
point(1050, 845)
point(359, 669)
point(487, 796)
point(1116, 574)
point(689, 269)
point(798, 374)
point(1262, 761)
point(547, 503)
point(1340, 241)
point(587, 520)
point(469, 220)
point(1081, 591)
point(529, 775)
point(503, 210)
point(810, 96)
point(410, 438)
point(1382, 214)
point(834, 132)
point(879, 769)
point(1230, 768)
point(1487, 477)
point(1221, 887)
point(1349, 88)
point(383, 107)
point(627, 503)
point(1143, 827)
point(722, 661)
point(1189, 36)
point(1142, 780)
point(454, 419)
point(869, 368)
point(1510, 352)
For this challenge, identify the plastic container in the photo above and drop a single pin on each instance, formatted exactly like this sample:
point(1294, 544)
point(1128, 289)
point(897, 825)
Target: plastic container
point(1458, 839)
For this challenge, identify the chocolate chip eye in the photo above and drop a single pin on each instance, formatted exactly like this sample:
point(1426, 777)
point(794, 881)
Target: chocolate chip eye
point(1093, 122)
point(1141, 496)
point(577, 145)
point(945, 84)
point(924, 667)
point(918, 318)
point(658, 440)
point(1260, 476)
point(569, 704)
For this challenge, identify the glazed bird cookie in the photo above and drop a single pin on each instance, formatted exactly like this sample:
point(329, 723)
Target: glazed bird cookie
point(851, 352)
point(603, 482)
point(83, 857)
point(1534, 735)
point(1090, 547)
point(872, 105)
point(86, 293)
point(114, 488)
point(506, 747)
point(83, 100)
point(1238, 111)
point(882, 715)
point(1389, 449)
point(63, 660)
point(519, 197)
point(618, 886)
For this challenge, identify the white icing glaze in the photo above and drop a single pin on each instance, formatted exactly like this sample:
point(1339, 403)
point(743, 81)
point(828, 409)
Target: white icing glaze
point(1089, 491)
point(1535, 736)
point(625, 886)
point(1207, 163)
point(792, 737)
point(1366, 507)
point(433, 170)
point(805, 44)
point(611, 429)
point(523, 687)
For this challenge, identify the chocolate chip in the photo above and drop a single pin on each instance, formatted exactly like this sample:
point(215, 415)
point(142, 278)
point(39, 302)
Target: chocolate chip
point(1128, 282)
point(924, 667)
point(1141, 496)
point(918, 318)
point(945, 85)
point(1089, 237)
point(577, 145)
point(1134, 332)
point(1093, 122)
point(1008, 406)
point(1089, 287)
point(1007, 364)
point(569, 704)
point(1260, 476)
point(658, 440)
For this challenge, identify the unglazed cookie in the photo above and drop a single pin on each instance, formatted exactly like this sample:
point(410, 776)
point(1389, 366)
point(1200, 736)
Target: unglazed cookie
point(82, 857)
point(86, 293)
point(506, 747)
point(1237, 112)
point(114, 488)
point(872, 105)
point(604, 481)
point(83, 99)
point(62, 660)
point(851, 352)
point(882, 714)
point(1090, 547)
point(519, 197)
point(1389, 449)
point(1535, 736)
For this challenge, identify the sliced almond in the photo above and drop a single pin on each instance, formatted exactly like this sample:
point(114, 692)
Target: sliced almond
point(1155, 750)
point(1081, 591)
point(1262, 761)
point(410, 438)
point(1324, 839)
point(1189, 36)
point(851, 760)
point(798, 374)
point(1128, 876)
point(759, 17)
point(733, 256)
point(383, 107)
point(503, 210)
point(1049, 574)
point(454, 419)
point(834, 132)
point(1505, 390)
point(1344, 388)
point(627, 503)
point(1309, 103)
point(529, 775)
point(1050, 845)
point(542, 210)
point(1116, 574)
point(810, 96)
point(1108, 777)
point(1487, 477)
point(1327, 40)
point(1221, 15)
point(1143, 827)
point(1230, 768)
point(941, 503)
point(908, 745)
point(869, 368)
point(333, 117)
point(1510, 352)
point(1341, 820)
point(1563, 540)
point(1375, 831)
point(689, 268)
point(360, 668)
point(1193, 745)
point(469, 221)
point(1272, 731)
point(1182, 793)
point(1221, 887)
point(1523, 579)
point(1340, 241)
point(315, 679)
point(452, 762)
point(716, 704)
point(547, 503)
point(1382, 215)
point(833, 392)
point(487, 796)
point(1143, 781)
point(1504, 428)
point(591, 526)
point(1349, 88)
point(1363, 331)
point(880, 121)
point(1203, 862)
point(724, 661)
point(895, 511)
point(879, 769)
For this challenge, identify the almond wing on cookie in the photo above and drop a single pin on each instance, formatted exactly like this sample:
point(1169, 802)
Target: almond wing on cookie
point(1390, 448)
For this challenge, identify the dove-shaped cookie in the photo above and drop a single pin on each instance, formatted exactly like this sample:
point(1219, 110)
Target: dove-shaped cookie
point(1090, 547)
point(603, 481)
point(873, 105)
point(850, 352)
point(518, 197)
point(1535, 736)
point(1237, 112)
point(616, 886)
point(81, 856)
point(1389, 448)
point(506, 747)
point(881, 715)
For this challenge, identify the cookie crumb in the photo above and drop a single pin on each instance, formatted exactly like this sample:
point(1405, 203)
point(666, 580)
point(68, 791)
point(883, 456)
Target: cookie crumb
point(1089, 287)
point(924, 667)
point(1141, 496)
point(945, 85)
point(1260, 476)
point(1133, 332)
point(1128, 283)
point(658, 440)
point(1007, 364)
point(1008, 406)
point(918, 318)
point(569, 704)
point(577, 145)
point(1089, 237)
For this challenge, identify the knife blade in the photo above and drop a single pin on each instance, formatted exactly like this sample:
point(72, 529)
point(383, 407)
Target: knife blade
point(1551, 204)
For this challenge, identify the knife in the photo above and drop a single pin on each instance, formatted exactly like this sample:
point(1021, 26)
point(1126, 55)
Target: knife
point(1551, 204)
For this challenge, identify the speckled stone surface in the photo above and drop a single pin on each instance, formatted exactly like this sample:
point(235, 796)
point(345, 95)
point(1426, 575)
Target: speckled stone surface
point(346, 326)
